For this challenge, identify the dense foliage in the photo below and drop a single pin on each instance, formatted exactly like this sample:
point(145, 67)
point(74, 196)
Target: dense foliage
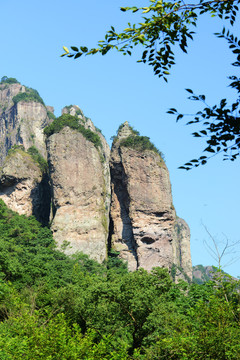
point(58, 307)
point(73, 123)
point(27, 96)
point(7, 80)
point(140, 143)
point(135, 141)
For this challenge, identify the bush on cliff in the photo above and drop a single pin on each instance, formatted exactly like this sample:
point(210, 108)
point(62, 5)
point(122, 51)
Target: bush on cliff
point(140, 143)
point(38, 158)
point(7, 80)
point(73, 123)
point(28, 96)
point(34, 153)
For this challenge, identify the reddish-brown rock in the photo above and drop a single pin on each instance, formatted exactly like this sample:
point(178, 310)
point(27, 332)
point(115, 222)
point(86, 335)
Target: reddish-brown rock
point(142, 213)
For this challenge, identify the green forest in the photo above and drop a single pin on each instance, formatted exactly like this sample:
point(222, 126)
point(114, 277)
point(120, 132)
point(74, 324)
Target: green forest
point(57, 307)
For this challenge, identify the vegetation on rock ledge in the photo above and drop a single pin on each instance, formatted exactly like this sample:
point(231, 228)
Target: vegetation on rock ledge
point(140, 143)
point(7, 80)
point(73, 123)
point(28, 96)
point(38, 158)
point(34, 153)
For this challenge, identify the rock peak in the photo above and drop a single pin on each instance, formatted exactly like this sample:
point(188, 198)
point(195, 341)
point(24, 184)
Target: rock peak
point(124, 130)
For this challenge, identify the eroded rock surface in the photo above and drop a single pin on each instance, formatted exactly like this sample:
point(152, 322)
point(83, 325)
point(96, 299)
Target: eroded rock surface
point(81, 193)
point(21, 123)
point(143, 217)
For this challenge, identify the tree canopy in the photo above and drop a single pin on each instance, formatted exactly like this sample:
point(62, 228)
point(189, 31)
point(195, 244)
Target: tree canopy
point(163, 26)
point(57, 307)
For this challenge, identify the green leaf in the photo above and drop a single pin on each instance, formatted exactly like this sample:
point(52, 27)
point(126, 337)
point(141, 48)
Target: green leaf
point(180, 116)
point(78, 55)
point(209, 149)
point(65, 49)
point(84, 49)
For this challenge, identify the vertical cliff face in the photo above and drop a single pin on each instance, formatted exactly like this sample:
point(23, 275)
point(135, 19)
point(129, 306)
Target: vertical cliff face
point(142, 214)
point(80, 190)
point(22, 119)
point(23, 183)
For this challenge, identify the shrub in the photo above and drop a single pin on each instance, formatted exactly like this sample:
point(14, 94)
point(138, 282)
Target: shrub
point(7, 80)
point(51, 115)
point(37, 157)
point(140, 143)
point(27, 96)
point(72, 122)
point(34, 153)
point(15, 148)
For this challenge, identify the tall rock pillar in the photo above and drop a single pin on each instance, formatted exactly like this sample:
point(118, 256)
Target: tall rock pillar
point(80, 190)
point(142, 214)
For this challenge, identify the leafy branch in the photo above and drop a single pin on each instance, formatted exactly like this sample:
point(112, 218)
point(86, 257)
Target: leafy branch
point(166, 24)
point(220, 123)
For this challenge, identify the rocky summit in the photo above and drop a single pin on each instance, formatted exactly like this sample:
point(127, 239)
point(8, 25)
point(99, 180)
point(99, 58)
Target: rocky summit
point(62, 171)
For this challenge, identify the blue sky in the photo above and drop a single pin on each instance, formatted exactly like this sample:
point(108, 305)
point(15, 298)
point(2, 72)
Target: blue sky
point(114, 88)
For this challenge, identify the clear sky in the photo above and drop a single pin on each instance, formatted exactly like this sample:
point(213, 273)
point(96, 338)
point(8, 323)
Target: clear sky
point(114, 88)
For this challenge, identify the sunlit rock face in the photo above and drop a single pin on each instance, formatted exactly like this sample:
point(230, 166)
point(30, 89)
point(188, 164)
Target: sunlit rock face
point(143, 217)
point(23, 185)
point(80, 183)
point(21, 123)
